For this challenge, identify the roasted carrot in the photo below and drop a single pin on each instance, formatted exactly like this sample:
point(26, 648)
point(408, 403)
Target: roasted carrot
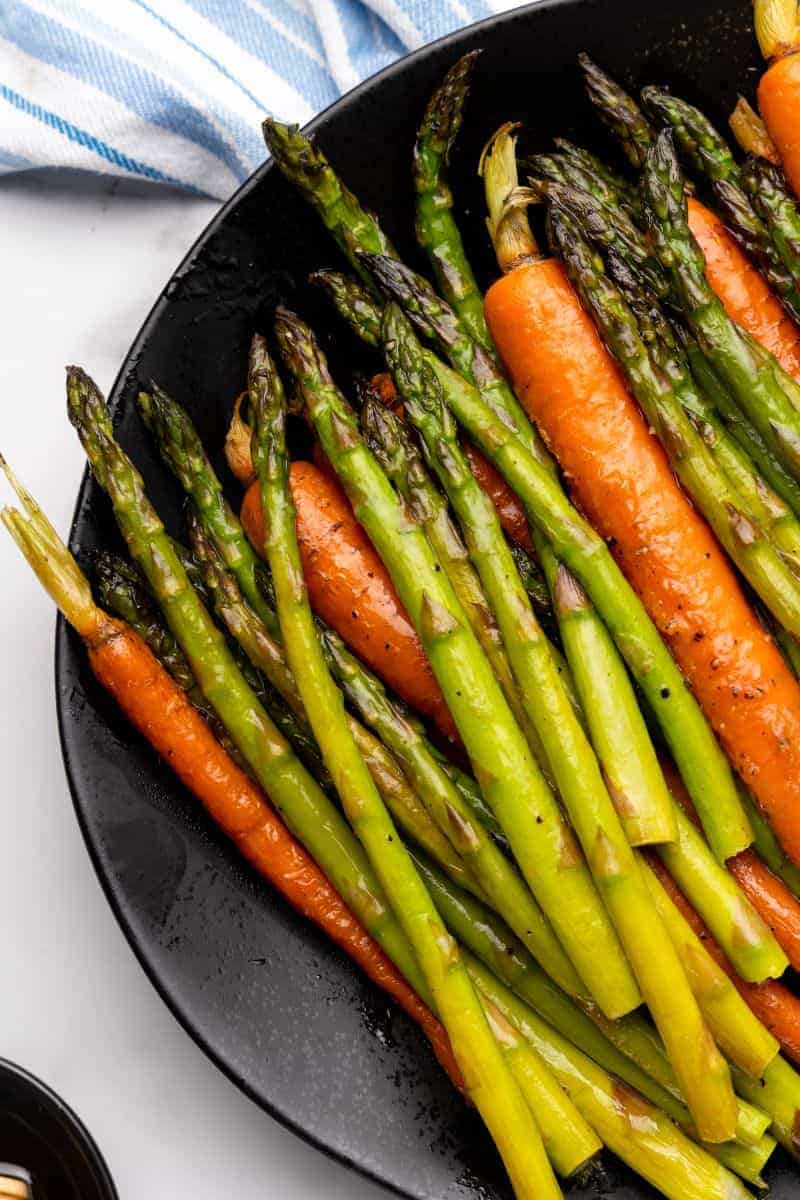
point(779, 104)
point(349, 588)
point(509, 509)
point(777, 25)
point(159, 708)
point(622, 481)
point(747, 297)
point(774, 1005)
point(773, 900)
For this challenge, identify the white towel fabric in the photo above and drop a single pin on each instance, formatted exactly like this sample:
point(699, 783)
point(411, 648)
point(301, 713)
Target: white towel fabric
point(175, 90)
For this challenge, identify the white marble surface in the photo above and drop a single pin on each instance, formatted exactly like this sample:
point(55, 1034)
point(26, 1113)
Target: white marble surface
point(81, 263)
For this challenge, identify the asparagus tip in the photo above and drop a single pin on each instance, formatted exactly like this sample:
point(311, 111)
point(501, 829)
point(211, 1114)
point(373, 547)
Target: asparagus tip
point(276, 133)
point(456, 78)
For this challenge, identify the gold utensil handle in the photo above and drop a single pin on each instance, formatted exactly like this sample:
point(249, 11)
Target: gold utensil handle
point(13, 1189)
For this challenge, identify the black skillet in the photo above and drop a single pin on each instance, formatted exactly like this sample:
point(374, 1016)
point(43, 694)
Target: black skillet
point(281, 1011)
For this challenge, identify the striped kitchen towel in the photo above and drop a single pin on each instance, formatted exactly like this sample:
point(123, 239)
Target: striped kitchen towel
point(174, 91)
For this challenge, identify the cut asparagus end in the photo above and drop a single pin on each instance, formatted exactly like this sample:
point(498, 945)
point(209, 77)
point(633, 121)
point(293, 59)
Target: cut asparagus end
point(49, 558)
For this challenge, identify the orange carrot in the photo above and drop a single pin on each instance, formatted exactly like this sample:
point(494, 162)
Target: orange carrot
point(770, 896)
point(160, 710)
point(509, 509)
point(350, 588)
point(747, 297)
point(777, 25)
point(774, 1005)
point(621, 479)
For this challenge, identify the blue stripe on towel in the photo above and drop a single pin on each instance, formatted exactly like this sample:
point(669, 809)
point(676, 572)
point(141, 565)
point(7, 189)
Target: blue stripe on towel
point(166, 78)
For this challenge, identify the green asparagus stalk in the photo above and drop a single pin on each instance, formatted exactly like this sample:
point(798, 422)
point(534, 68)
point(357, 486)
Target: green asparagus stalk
point(609, 229)
point(435, 319)
point(616, 725)
point(504, 888)
point(123, 590)
point(748, 1162)
point(304, 165)
point(778, 1092)
point(536, 586)
point(595, 168)
point(567, 170)
point(751, 441)
point(697, 469)
point(437, 231)
point(239, 579)
point(389, 439)
point(758, 385)
point(471, 795)
point(735, 924)
point(701, 762)
point(749, 231)
point(514, 788)
point(184, 453)
point(774, 202)
point(353, 301)
point(268, 656)
point(569, 1141)
point(739, 1033)
point(488, 1080)
point(629, 1048)
point(655, 964)
point(363, 314)
point(698, 141)
point(308, 812)
point(618, 111)
point(636, 1131)
point(436, 322)
point(707, 152)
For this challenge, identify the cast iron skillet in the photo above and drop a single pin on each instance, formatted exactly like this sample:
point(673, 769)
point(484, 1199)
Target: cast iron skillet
point(281, 1011)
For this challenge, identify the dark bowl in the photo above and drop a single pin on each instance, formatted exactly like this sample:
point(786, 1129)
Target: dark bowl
point(278, 1008)
point(40, 1133)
